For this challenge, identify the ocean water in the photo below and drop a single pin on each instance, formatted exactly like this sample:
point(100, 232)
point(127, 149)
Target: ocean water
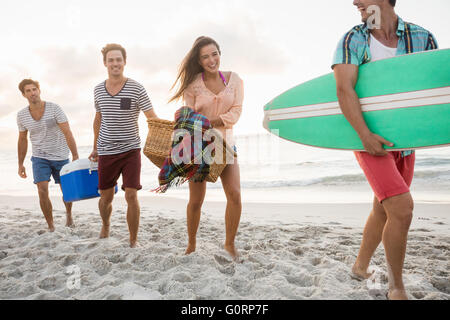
point(275, 170)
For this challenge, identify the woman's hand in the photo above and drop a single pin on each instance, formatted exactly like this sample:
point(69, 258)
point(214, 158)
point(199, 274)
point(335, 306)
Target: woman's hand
point(216, 122)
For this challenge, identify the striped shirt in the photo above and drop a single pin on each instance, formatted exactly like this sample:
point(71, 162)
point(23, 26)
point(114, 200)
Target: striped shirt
point(119, 131)
point(47, 140)
point(354, 47)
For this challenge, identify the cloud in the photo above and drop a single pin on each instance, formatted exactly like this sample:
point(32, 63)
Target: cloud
point(69, 73)
point(245, 51)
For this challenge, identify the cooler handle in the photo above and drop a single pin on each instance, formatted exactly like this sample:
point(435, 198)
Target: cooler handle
point(91, 166)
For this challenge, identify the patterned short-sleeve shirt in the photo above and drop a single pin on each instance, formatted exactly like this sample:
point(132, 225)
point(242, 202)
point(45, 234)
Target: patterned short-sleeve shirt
point(354, 46)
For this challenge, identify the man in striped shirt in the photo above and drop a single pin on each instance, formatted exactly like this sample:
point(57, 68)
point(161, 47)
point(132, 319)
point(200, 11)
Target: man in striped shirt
point(389, 173)
point(118, 102)
point(51, 139)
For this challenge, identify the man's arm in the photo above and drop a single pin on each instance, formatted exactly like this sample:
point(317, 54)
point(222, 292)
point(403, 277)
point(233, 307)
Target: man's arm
point(65, 128)
point(150, 114)
point(97, 122)
point(22, 147)
point(346, 76)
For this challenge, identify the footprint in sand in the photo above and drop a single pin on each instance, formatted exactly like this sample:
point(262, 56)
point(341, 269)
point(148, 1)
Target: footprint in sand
point(420, 230)
point(3, 254)
point(418, 294)
point(101, 266)
point(223, 261)
point(182, 277)
point(442, 284)
point(70, 260)
point(228, 270)
point(334, 223)
point(346, 242)
point(48, 284)
point(316, 261)
point(298, 252)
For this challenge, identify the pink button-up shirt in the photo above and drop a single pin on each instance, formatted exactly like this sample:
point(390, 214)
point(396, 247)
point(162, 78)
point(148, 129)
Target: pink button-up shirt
point(227, 104)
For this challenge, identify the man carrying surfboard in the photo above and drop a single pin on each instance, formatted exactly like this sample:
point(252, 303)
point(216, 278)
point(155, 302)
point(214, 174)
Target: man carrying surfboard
point(389, 173)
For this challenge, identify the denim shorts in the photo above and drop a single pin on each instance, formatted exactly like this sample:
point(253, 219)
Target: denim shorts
point(43, 169)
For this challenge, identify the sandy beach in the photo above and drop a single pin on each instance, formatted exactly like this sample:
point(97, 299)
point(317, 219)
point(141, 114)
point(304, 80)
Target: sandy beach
point(288, 251)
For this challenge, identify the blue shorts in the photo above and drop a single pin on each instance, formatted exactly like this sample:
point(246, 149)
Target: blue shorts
point(43, 169)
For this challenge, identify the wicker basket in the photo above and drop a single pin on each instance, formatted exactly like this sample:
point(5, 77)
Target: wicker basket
point(159, 142)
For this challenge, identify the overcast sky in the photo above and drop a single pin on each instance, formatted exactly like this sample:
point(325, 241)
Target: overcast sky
point(272, 45)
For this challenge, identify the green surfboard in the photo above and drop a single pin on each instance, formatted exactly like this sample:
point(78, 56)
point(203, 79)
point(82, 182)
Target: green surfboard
point(405, 99)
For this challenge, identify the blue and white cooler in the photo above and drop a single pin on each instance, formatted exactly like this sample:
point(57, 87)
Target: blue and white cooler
point(79, 180)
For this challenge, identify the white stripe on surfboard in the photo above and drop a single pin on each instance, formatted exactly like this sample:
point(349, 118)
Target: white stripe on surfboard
point(371, 100)
point(394, 101)
point(365, 108)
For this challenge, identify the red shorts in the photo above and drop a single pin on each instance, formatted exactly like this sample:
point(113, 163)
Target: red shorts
point(388, 175)
point(111, 166)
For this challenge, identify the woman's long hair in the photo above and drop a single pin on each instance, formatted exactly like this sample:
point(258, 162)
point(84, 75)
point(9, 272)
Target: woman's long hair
point(190, 66)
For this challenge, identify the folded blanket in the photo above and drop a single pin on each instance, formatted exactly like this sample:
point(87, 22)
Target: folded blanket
point(179, 167)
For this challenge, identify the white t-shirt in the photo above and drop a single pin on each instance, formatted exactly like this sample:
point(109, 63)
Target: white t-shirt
point(379, 51)
point(47, 140)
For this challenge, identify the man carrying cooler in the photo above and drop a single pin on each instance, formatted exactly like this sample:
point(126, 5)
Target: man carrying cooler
point(51, 139)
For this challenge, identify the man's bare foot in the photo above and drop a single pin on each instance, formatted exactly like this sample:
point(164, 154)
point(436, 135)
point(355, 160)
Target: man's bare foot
point(360, 274)
point(51, 228)
point(232, 251)
point(190, 248)
point(397, 294)
point(134, 244)
point(105, 232)
point(69, 223)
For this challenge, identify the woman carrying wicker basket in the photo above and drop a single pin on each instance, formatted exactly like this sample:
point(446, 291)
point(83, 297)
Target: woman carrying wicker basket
point(218, 96)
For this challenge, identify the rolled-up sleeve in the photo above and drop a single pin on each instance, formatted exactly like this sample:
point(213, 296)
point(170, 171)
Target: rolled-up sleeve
point(189, 98)
point(233, 114)
point(347, 51)
point(431, 42)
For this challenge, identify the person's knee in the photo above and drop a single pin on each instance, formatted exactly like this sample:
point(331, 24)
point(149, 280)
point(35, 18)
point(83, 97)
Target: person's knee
point(234, 197)
point(195, 204)
point(106, 196)
point(43, 192)
point(378, 210)
point(401, 208)
point(131, 196)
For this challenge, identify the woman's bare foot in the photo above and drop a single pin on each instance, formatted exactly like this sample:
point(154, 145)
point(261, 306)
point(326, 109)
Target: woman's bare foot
point(359, 273)
point(232, 251)
point(190, 248)
point(105, 232)
point(397, 294)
